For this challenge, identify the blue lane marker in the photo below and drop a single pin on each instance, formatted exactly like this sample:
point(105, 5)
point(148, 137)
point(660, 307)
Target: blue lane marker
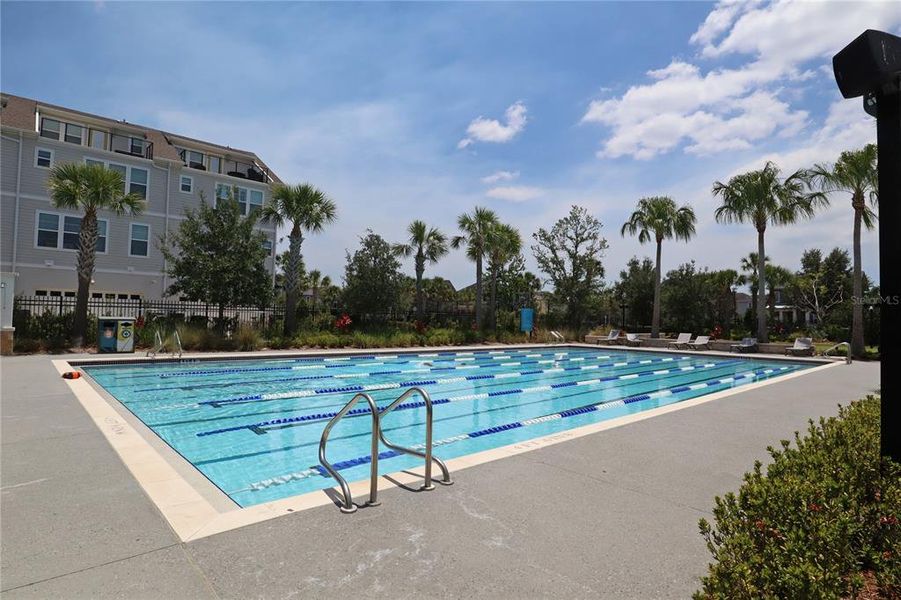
point(259, 427)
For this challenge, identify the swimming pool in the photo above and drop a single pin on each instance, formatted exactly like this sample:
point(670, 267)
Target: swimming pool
point(252, 427)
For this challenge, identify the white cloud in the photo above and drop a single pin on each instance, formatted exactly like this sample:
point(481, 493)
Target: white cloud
point(500, 176)
point(733, 108)
point(492, 130)
point(515, 193)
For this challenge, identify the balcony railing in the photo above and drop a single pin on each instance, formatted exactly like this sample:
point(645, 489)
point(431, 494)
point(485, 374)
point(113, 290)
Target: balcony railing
point(130, 145)
point(245, 170)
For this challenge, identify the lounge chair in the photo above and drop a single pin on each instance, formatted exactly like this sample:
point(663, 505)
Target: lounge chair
point(680, 341)
point(803, 347)
point(612, 337)
point(632, 339)
point(748, 344)
point(702, 341)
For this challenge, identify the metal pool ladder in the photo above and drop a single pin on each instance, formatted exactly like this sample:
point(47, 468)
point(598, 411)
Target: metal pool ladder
point(378, 435)
point(839, 345)
point(158, 345)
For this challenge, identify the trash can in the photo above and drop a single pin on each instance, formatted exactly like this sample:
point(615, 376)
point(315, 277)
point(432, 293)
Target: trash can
point(116, 334)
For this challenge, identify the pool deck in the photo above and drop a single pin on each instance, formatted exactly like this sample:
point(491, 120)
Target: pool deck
point(612, 514)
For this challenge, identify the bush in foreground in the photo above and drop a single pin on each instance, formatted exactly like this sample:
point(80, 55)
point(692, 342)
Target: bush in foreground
point(823, 521)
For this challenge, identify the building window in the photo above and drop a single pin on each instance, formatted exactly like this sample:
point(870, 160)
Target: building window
point(43, 158)
point(215, 164)
point(267, 246)
point(194, 159)
point(186, 184)
point(241, 197)
point(223, 192)
point(97, 139)
point(48, 235)
point(74, 133)
point(139, 243)
point(138, 182)
point(48, 230)
point(256, 201)
point(123, 171)
point(50, 128)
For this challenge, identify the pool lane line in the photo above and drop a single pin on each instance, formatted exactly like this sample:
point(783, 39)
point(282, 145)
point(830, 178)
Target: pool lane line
point(494, 383)
point(470, 356)
point(581, 410)
point(650, 385)
point(307, 393)
point(260, 427)
point(467, 366)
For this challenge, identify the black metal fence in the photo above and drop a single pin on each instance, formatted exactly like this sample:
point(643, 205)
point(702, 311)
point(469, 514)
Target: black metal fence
point(149, 309)
point(460, 314)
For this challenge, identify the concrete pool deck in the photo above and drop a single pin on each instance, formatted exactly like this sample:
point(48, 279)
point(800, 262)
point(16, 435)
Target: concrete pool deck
point(612, 514)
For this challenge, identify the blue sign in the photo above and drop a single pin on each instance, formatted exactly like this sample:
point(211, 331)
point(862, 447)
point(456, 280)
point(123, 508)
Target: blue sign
point(526, 319)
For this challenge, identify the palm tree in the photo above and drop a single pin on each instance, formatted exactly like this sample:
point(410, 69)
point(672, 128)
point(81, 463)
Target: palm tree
point(762, 198)
point(854, 172)
point(475, 228)
point(317, 281)
point(659, 218)
point(88, 188)
point(426, 245)
point(504, 244)
point(306, 209)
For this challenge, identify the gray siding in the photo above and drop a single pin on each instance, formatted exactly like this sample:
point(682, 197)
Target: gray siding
point(43, 268)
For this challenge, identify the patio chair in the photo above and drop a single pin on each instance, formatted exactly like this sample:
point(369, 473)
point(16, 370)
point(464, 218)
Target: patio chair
point(680, 341)
point(700, 342)
point(747, 344)
point(632, 339)
point(612, 337)
point(803, 347)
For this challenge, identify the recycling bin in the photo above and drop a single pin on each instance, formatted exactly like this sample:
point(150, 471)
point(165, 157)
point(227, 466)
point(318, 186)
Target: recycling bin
point(116, 334)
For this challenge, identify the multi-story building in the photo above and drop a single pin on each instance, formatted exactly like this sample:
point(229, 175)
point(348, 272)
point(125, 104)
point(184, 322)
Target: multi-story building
point(38, 242)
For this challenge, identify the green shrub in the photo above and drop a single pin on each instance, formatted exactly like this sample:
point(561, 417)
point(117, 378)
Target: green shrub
point(247, 338)
point(826, 511)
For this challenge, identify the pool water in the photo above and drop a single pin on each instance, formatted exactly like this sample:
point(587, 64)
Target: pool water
point(252, 427)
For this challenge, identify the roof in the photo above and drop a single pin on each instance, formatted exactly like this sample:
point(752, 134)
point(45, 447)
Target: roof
point(19, 112)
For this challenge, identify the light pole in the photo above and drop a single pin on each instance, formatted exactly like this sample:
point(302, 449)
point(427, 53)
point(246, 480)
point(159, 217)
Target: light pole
point(870, 66)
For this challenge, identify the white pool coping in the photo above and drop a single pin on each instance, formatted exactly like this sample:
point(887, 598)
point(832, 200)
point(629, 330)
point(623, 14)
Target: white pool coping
point(193, 514)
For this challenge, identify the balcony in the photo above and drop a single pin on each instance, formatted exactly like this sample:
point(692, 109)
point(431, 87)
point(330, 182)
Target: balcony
point(132, 146)
point(245, 170)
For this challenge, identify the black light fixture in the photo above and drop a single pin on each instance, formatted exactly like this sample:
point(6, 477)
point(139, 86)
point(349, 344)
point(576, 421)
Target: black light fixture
point(870, 67)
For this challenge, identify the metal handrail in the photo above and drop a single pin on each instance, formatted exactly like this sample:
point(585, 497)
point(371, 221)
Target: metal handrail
point(349, 505)
point(157, 345)
point(838, 345)
point(178, 343)
point(427, 455)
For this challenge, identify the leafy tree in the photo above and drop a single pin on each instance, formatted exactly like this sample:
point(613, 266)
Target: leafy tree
point(217, 256)
point(475, 229)
point(854, 172)
point(516, 287)
point(637, 288)
point(303, 208)
point(721, 296)
point(659, 218)
point(89, 189)
point(504, 244)
point(685, 296)
point(317, 281)
point(372, 278)
point(813, 289)
point(425, 244)
point(762, 198)
point(570, 254)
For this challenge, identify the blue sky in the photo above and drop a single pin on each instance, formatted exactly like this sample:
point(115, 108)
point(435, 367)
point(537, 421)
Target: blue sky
point(403, 111)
